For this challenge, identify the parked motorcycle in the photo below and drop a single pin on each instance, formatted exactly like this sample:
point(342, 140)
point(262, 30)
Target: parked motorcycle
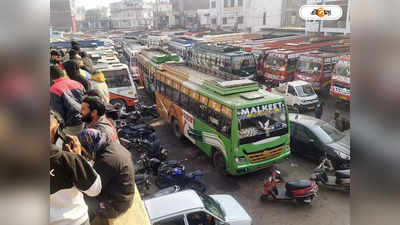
point(302, 191)
point(147, 110)
point(142, 182)
point(172, 173)
point(150, 145)
point(341, 180)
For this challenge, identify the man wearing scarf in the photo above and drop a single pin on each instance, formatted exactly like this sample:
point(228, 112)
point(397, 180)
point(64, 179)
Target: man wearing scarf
point(115, 167)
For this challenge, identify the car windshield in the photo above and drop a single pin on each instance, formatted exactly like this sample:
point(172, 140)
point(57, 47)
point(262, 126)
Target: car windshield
point(309, 67)
point(260, 122)
point(211, 205)
point(327, 133)
point(305, 90)
point(343, 68)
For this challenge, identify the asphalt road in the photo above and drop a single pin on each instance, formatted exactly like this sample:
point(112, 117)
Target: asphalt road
point(329, 208)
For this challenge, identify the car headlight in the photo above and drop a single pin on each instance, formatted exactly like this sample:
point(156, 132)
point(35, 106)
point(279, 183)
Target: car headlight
point(240, 159)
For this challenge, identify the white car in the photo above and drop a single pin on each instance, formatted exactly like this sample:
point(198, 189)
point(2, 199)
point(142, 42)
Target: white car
point(298, 95)
point(192, 208)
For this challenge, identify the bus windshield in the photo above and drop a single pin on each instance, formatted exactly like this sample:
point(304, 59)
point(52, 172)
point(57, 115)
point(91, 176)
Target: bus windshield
point(343, 68)
point(260, 122)
point(309, 66)
point(117, 78)
point(276, 60)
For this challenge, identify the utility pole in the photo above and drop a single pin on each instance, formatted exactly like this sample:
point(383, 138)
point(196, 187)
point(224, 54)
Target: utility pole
point(320, 22)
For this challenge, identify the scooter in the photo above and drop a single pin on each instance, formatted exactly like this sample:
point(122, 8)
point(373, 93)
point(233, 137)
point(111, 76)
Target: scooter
point(302, 191)
point(341, 180)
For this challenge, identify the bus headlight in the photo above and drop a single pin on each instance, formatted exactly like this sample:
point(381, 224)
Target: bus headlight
point(240, 159)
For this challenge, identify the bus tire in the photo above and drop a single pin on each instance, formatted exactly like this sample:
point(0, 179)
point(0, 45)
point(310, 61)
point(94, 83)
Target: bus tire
point(218, 161)
point(123, 104)
point(176, 129)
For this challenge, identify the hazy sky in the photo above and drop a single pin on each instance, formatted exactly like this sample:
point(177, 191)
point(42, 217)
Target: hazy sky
point(89, 4)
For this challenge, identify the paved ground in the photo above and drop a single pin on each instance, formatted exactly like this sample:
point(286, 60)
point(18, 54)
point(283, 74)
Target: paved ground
point(329, 208)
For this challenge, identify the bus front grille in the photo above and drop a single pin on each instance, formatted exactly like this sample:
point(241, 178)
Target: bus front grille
point(264, 155)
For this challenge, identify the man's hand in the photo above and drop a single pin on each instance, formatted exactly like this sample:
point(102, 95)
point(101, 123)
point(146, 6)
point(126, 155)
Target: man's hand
point(75, 144)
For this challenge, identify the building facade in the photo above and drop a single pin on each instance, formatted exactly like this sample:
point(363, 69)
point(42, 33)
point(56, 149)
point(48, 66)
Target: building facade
point(242, 15)
point(290, 14)
point(131, 14)
point(61, 15)
point(162, 14)
point(184, 12)
point(340, 26)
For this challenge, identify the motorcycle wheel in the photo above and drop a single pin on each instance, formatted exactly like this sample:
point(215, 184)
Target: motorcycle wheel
point(161, 183)
point(196, 185)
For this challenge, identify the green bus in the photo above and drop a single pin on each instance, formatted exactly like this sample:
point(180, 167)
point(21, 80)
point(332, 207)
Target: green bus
point(240, 126)
point(148, 61)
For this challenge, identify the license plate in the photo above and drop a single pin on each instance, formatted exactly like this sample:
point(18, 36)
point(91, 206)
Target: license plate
point(311, 107)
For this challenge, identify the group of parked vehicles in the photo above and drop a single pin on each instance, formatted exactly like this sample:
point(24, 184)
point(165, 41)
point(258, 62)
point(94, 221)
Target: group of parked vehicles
point(209, 95)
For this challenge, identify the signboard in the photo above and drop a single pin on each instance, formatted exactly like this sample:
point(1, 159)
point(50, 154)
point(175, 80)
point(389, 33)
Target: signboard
point(188, 124)
point(260, 110)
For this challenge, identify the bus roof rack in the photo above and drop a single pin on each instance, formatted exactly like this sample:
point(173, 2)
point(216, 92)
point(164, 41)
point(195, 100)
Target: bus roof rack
point(235, 83)
point(232, 86)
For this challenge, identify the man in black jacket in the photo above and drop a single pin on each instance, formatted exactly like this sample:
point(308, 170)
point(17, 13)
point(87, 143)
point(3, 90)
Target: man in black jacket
point(65, 99)
point(115, 166)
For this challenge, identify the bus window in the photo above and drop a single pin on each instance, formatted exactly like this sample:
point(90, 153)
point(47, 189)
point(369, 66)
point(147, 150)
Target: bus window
point(225, 127)
point(168, 92)
point(184, 101)
point(194, 106)
point(328, 67)
point(162, 88)
point(175, 95)
point(291, 64)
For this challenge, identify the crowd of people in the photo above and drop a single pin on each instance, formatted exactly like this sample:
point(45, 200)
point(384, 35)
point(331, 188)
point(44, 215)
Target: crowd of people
point(91, 173)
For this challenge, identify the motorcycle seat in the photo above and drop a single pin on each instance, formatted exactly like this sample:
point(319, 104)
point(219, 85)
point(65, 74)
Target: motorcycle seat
point(298, 184)
point(342, 173)
point(195, 173)
point(141, 178)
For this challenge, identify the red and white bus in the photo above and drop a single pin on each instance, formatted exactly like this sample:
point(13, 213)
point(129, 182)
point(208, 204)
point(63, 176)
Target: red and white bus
point(316, 68)
point(120, 84)
point(340, 82)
